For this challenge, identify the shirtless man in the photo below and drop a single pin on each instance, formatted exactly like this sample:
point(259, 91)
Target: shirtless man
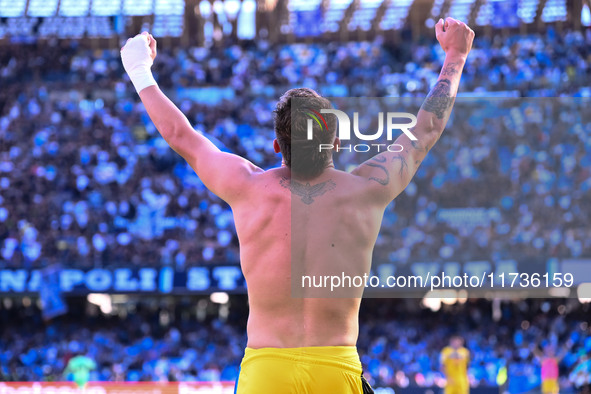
point(302, 345)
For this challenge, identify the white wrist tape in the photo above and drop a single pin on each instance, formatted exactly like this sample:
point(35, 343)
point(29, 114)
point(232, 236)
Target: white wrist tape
point(137, 61)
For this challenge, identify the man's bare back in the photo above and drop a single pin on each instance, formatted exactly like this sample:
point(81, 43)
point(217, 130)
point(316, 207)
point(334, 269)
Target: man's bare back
point(341, 222)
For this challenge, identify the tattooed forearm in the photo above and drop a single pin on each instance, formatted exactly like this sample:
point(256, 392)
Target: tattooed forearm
point(403, 163)
point(307, 191)
point(418, 147)
point(450, 69)
point(439, 100)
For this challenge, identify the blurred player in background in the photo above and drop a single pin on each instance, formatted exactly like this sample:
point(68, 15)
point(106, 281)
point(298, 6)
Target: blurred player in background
point(79, 367)
point(454, 361)
point(298, 345)
point(549, 361)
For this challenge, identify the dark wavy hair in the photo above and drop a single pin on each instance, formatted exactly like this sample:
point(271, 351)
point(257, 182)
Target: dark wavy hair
point(301, 155)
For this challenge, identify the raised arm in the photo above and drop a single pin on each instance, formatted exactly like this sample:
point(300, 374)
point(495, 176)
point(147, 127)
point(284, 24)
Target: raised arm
point(394, 171)
point(537, 352)
point(225, 174)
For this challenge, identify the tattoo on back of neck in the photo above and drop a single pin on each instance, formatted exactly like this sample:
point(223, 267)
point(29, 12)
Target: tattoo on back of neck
point(306, 191)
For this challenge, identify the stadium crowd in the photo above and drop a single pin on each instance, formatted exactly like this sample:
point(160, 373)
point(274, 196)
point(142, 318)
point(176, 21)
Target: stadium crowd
point(172, 344)
point(85, 178)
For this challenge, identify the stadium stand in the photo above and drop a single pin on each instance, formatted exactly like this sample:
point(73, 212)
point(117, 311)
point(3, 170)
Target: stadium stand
point(105, 189)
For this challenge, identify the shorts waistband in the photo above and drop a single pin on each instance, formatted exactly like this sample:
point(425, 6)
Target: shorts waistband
point(345, 357)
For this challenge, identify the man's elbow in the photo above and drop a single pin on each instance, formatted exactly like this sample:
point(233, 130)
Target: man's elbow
point(427, 133)
point(428, 138)
point(171, 135)
point(425, 140)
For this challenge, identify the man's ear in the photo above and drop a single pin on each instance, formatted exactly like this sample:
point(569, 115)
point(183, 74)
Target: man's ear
point(276, 146)
point(336, 144)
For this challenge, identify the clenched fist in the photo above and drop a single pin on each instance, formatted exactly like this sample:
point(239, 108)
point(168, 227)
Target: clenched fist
point(138, 55)
point(455, 37)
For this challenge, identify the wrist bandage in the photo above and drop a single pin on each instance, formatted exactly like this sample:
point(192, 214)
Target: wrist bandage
point(137, 61)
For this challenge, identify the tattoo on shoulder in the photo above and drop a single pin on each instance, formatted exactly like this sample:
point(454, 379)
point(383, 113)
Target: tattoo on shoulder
point(439, 99)
point(306, 191)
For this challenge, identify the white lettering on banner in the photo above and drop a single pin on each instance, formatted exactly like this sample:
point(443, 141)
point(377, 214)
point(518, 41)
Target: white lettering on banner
point(13, 280)
point(98, 280)
point(166, 282)
point(35, 280)
point(147, 279)
point(230, 277)
point(124, 281)
point(69, 278)
point(227, 277)
point(198, 279)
